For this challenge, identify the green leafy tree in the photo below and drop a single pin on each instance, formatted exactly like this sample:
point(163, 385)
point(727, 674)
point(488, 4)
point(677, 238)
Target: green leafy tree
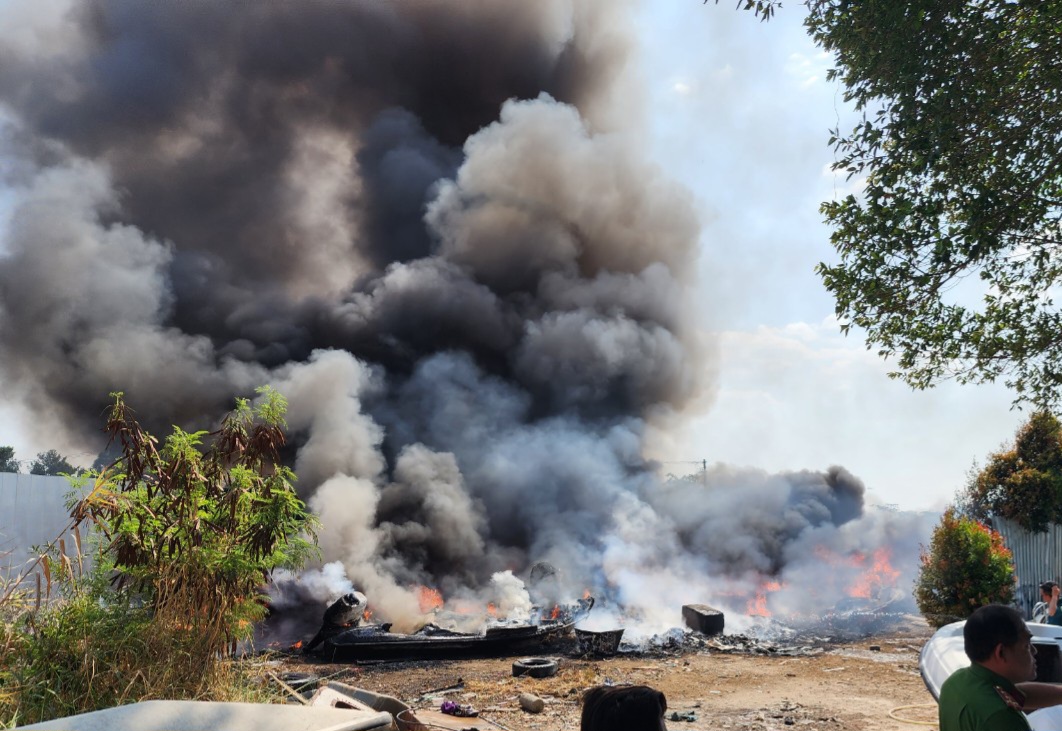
point(959, 146)
point(948, 255)
point(51, 463)
point(1022, 483)
point(763, 9)
point(8, 463)
point(965, 567)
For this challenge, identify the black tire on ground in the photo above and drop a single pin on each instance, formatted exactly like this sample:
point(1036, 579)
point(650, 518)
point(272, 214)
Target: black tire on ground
point(535, 667)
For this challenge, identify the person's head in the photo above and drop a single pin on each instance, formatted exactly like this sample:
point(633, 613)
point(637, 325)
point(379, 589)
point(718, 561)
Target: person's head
point(996, 636)
point(623, 708)
point(1046, 589)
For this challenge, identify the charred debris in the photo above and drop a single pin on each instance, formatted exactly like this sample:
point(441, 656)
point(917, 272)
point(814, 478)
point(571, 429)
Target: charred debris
point(347, 634)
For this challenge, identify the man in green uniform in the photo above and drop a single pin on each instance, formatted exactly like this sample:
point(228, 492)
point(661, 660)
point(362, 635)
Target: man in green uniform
point(993, 692)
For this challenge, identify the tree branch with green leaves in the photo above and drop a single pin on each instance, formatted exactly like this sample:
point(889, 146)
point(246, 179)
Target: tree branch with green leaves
point(948, 256)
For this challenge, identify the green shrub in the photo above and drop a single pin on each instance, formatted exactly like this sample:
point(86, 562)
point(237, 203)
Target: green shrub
point(965, 567)
point(186, 534)
point(197, 528)
point(82, 655)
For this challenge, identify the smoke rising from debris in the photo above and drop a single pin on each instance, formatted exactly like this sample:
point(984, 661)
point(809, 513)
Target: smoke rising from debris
point(431, 227)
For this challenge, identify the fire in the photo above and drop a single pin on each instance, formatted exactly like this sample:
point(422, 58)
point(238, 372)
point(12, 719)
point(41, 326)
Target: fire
point(555, 613)
point(587, 595)
point(366, 615)
point(757, 606)
point(492, 610)
point(297, 645)
point(465, 606)
point(870, 579)
point(855, 559)
point(429, 599)
point(876, 578)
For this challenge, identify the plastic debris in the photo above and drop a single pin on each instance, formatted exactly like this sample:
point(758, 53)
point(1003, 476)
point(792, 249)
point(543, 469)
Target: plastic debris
point(452, 708)
point(688, 716)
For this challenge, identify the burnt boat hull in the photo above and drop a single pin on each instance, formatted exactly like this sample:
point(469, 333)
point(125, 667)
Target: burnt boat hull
point(355, 645)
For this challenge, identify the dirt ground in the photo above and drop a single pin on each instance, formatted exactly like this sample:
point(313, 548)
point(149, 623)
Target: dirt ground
point(845, 686)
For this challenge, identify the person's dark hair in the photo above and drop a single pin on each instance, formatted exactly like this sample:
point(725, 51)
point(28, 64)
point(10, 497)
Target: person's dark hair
point(1047, 587)
point(989, 626)
point(623, 708)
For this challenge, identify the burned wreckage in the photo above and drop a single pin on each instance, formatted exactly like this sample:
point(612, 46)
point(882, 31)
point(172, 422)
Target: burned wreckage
point(342, 637)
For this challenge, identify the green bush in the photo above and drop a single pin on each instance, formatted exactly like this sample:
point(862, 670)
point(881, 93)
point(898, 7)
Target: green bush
point(89, 650)
point(965, 567)
point(197, 528)
point(93, 651)
point(186, 534)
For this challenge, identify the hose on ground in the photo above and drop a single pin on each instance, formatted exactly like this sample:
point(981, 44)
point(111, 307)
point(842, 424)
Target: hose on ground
point(894, 717)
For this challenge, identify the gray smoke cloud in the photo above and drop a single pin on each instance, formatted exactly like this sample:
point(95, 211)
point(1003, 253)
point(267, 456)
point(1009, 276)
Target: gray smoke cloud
point(431, 227)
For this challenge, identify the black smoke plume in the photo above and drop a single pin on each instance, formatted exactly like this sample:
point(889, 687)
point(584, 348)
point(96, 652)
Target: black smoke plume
point(431, 226)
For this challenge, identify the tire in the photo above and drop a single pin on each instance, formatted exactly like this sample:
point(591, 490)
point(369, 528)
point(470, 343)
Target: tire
point(535, 667)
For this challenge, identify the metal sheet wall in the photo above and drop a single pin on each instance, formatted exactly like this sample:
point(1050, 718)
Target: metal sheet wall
point(32, 513)
point(1037, 558)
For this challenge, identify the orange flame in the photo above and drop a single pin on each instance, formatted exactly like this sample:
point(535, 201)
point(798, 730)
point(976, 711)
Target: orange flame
point(366, 615)
point(587, 594)
point(873, 572)
point(555, 613)
point(757, 606)
point(492, 610)
point(464, 606)
point(855, 559)
point(429, 599)
point(876, 578)
point(297, 645)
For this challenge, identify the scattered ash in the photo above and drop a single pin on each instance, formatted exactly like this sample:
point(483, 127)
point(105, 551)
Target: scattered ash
point(749, 645)
point(679, 641)
point(845, 627)
point(832, 628)
point(795, 638)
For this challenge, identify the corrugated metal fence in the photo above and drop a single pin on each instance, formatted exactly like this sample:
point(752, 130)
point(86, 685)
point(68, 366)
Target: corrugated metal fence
point(32, 513)
point(1037, 558)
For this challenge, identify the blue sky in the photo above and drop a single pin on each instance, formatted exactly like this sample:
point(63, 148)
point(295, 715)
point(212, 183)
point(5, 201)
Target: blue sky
point(739, 111)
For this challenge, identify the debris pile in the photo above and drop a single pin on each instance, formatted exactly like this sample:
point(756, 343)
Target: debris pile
point(679, 642)
point(802, 637)
point(748, 645)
